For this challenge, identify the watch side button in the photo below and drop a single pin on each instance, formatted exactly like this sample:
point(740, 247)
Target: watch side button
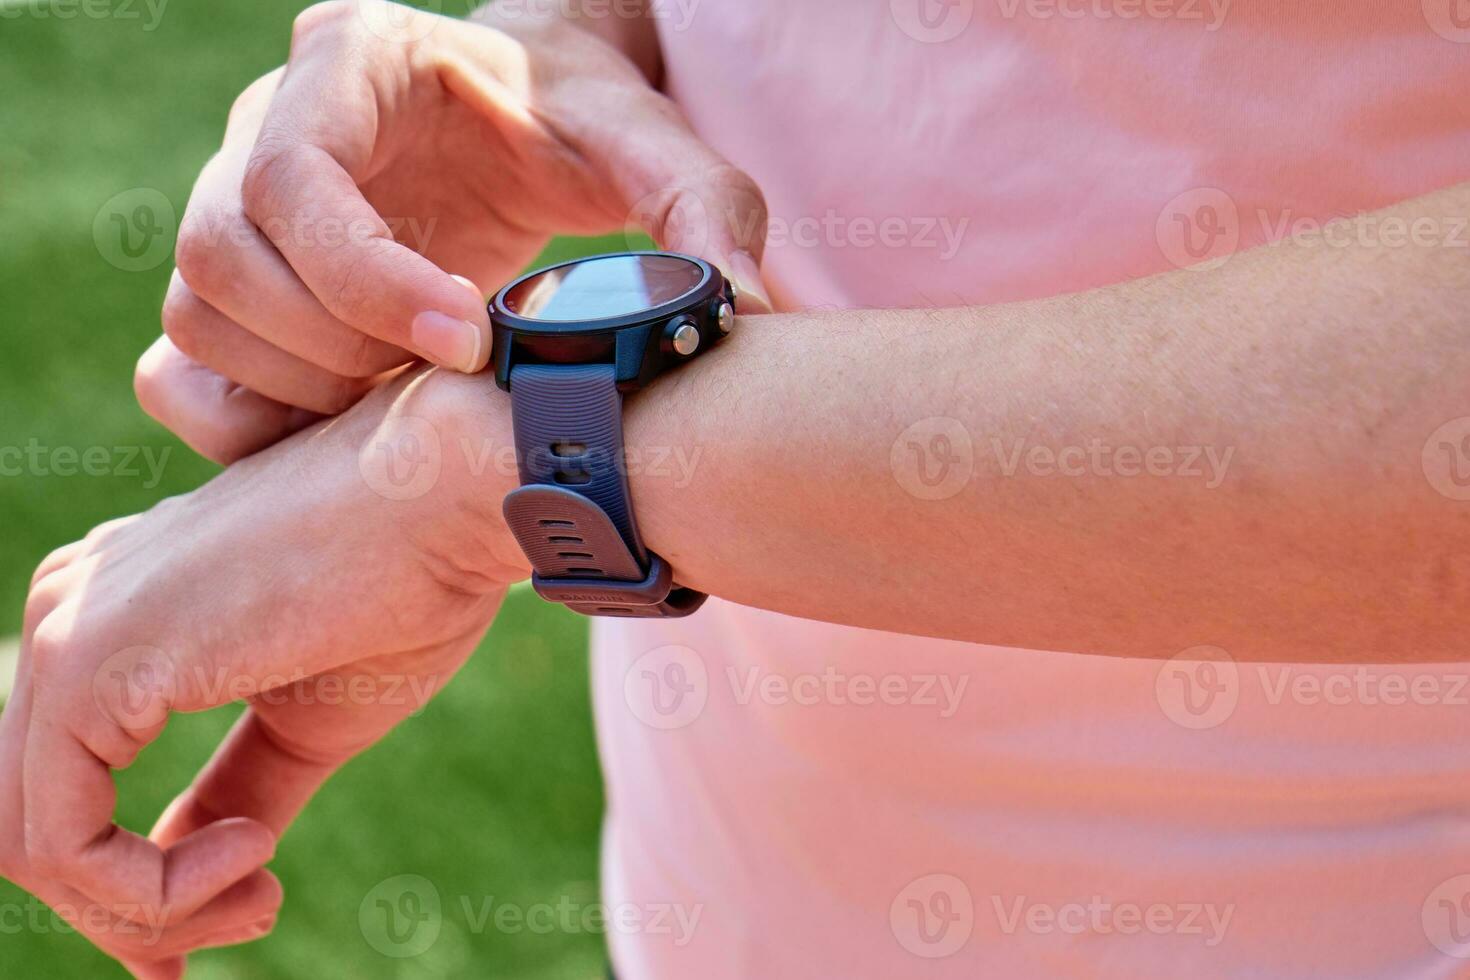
point(725, 317)
point(684, 337)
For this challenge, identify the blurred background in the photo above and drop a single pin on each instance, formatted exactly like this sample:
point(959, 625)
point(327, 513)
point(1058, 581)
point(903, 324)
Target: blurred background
point(491, 796)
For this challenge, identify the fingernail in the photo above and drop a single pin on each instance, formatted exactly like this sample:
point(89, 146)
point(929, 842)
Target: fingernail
point(469, 284)
point(245, 934)
point(750, 292)
point(453, 343)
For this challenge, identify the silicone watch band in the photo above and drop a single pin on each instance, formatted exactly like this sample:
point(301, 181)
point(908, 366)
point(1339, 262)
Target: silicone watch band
point(572, 514)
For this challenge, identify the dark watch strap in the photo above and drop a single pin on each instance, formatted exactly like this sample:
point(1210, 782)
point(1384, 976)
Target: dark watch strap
point(572, 514)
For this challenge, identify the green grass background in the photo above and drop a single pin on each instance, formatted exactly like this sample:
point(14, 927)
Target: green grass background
point(493, 791)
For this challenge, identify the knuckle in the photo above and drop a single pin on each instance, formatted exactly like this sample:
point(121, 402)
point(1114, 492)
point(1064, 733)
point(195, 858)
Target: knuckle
point(255, 94)
point(321, 19)
point(199, 252)
point(99, 535)
point(212, 440)
point(149, 387)
point(56, 559)
point(358, 283)
point(216, 440)
point(743, 201)
point(41, 601)
point(355, 355)
point(49, 647)
point(337, 397)
point(183, 320)
point(42, 854)
point(263, 175)
point(152, 387)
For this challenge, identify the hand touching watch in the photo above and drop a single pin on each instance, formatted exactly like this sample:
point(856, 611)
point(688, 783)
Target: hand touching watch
point(322, 244)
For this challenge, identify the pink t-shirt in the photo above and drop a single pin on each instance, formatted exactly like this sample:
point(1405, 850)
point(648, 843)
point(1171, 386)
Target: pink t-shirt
point(791, 799)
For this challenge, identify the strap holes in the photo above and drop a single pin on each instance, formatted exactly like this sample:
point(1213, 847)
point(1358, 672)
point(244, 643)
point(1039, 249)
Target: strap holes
point(568, 449)
point(558, 524)
point(584, 571)
point(574, 554)
point(615, 610)
point(572, 477)
point(563, 538)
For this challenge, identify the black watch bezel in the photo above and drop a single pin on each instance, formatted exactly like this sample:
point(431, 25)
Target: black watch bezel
point(638, 344)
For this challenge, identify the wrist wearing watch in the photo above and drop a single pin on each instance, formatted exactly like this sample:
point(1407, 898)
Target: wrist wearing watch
point(570, 341)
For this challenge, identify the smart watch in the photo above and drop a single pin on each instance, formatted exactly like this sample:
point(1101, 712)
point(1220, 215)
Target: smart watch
point(570, 340)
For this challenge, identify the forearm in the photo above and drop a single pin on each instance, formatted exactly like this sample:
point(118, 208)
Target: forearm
point(1279, 407)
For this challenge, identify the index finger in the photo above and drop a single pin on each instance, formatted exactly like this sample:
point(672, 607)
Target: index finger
point(74, 738)
point(301, 189)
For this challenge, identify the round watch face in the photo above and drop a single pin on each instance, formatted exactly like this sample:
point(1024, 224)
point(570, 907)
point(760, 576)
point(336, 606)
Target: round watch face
point(598, 288)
